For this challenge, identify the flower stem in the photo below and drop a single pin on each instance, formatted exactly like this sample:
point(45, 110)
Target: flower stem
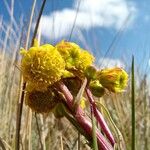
point(100, 118)
point(82, 120)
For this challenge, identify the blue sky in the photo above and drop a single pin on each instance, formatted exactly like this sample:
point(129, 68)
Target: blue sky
point(96, 27)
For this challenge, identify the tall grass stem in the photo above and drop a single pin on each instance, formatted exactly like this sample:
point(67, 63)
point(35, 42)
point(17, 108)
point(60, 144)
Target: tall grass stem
point(20, 104)
point(74, 21)
point(95, 146)
point(30, 23)
point(133, 105)
point(38, 21)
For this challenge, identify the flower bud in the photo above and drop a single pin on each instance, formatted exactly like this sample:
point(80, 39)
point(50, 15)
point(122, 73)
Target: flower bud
point(115, 79)
point(96, 88)
point(90, 72)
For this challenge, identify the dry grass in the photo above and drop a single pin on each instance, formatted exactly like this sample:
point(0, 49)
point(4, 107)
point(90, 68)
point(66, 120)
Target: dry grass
point(52, 133)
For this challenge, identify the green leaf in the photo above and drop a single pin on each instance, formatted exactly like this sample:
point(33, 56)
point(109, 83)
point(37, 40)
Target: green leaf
point(133, 104)
point(95, 146)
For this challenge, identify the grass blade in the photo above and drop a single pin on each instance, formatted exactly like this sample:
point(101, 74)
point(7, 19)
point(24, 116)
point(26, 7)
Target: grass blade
point(95, 146)
point(133, 104)
point(120, 140)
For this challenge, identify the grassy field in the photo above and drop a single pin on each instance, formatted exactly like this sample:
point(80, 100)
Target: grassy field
point(47, 132)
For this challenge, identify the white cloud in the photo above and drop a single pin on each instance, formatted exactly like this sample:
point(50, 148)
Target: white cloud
point(92, 13)
point(109, 63)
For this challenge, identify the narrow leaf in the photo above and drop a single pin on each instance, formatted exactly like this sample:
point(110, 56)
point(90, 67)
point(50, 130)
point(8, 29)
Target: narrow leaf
point(133, 104)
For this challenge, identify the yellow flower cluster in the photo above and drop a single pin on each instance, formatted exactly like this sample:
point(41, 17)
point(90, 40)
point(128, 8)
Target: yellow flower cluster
point(42, 66)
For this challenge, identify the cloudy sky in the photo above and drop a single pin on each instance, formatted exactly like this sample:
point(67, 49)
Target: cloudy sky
point(113, 30)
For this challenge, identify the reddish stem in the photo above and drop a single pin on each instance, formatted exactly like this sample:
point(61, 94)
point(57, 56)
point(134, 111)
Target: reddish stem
point(82, 120)
point(100, 118)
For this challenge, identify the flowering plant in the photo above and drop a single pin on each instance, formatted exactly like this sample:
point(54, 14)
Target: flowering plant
point(62, 79)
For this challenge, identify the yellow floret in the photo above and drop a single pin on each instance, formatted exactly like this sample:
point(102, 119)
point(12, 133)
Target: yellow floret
point(42, 65)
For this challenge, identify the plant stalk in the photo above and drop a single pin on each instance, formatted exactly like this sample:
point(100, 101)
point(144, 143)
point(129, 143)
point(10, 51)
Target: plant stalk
point(100, 118)
point(82, 120)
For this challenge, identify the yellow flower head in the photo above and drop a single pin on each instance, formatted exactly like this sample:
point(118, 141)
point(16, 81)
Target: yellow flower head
point(74, 56)
point(42, 65)
point(114, 79)
point(41, 102)
point(69, 51)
